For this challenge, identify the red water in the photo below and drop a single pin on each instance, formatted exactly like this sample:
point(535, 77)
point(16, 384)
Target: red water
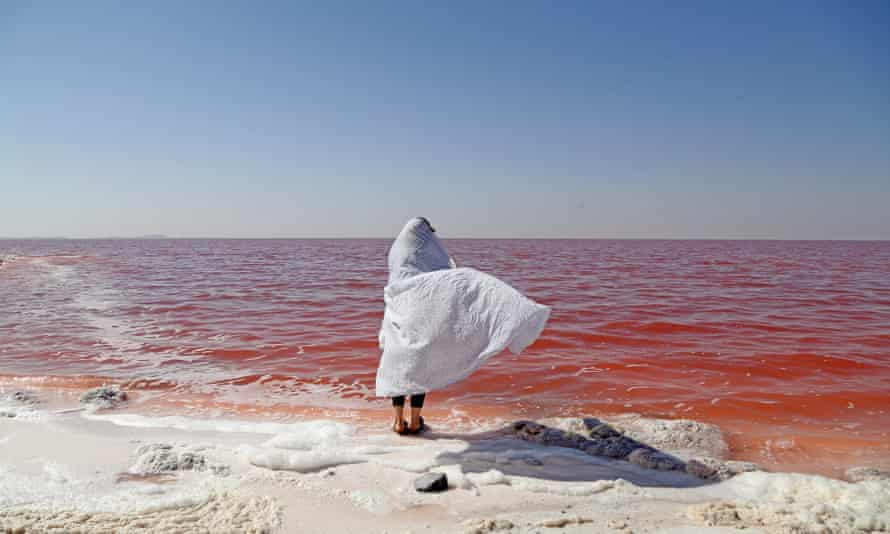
point(786, 345)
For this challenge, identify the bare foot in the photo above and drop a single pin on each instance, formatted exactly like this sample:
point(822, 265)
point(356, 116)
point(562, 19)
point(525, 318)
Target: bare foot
point(416, 426)
point(399, 427)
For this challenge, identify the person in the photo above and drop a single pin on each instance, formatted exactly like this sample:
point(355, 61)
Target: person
point(400, 425)
point(442, 322)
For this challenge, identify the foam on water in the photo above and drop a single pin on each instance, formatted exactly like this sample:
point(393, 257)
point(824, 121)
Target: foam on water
point(312, 434)
point(302, 461)
point(311, 446)
point(304, 447)
point(179, 422)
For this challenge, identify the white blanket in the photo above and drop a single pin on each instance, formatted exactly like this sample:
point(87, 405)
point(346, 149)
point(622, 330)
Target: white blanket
point(441, 322)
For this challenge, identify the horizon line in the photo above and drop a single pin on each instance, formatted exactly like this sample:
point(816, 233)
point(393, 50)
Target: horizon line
point(488, 238)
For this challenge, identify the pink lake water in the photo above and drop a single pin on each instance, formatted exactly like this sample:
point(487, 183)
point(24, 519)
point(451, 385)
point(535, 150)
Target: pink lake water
point(785, 345)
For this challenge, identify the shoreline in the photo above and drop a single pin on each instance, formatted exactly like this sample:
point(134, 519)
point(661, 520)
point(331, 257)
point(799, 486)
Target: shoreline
point(806, 448)
point(123, 470)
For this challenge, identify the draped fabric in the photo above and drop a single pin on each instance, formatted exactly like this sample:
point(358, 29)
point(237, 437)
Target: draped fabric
point(442, 322)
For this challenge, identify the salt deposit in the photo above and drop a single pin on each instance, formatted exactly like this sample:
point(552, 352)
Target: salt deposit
point(22, 405)
point(562, 522)
point(859, 474)
point(799, 503)
point(311, 446)
point(217, 513)
point(575, 489)
point(309, 435)
point(492, 477)
point(484, 526)
point(302, 461)
point(527, 475)
point(157, 458)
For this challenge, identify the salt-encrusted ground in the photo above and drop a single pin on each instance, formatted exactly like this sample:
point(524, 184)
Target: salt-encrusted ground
point(100, 471)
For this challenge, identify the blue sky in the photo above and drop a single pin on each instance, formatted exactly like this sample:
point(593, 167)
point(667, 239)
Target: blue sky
point(755, 119)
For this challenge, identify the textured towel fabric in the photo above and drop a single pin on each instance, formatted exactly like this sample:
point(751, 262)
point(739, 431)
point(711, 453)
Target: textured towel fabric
point(417, 250)
point(441, 322)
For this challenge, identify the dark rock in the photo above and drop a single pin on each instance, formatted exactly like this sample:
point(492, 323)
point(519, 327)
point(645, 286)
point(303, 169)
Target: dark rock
point(431, 482)
point(594, 448)
point(603, 431)
point(24, 397)
point(659, 461)
point(590, 422)
point(617, 447)
point(104, 397)
point(527, 428)
point(608, 442)
point(701, 470)
point(560, 438)
point(519, 425)
point(620, 447)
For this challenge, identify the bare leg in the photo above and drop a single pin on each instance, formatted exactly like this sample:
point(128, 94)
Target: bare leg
point(415, 419)
point(399, 414)
point(416, 406)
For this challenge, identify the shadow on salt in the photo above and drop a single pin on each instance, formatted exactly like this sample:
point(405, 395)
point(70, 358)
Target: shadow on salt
point(534, 450)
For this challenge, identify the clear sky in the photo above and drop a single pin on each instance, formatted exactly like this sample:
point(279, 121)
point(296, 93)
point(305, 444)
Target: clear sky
point(760, 119)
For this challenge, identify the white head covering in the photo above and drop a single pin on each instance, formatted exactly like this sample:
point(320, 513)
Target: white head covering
point(417, 250)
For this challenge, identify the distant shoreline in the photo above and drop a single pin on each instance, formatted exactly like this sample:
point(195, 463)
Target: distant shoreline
point(452, 238)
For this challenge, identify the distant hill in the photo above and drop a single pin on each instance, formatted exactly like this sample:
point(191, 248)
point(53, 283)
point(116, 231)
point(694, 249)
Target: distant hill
point(50, 238)
point(31, 238)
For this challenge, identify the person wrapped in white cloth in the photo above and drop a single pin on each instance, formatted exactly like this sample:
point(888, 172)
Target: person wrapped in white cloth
point(442, 322)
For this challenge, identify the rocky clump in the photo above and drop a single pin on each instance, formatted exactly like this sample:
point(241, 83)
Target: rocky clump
point(605, 440)
point(659, 461)
point(718, 470)
point(484, 526)
point(105, 397)
point(431, 482)
point(15, 401)
point(862, 474)
point(158, 458)
point(683, 438)
point(563, 522)
point(28, 398)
